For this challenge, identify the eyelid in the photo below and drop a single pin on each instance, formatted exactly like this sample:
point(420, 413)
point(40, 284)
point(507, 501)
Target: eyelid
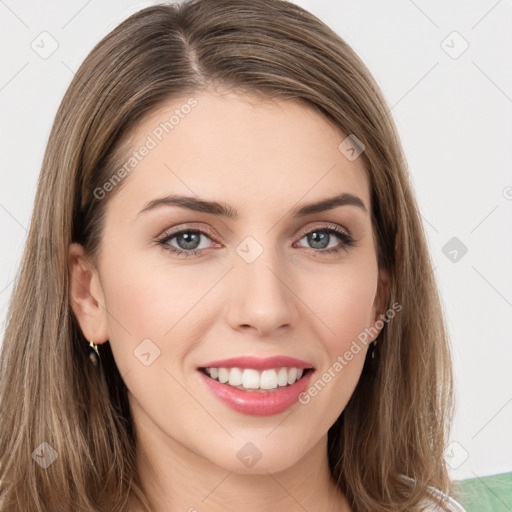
point(325, 225)
point(209, 231)
point(181, 228)
point(340, 231)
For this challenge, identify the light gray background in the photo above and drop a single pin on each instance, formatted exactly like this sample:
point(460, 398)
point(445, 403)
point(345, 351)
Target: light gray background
point(454, 114)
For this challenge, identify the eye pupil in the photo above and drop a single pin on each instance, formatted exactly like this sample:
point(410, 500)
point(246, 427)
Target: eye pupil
point(191, 239)
point(318, 237)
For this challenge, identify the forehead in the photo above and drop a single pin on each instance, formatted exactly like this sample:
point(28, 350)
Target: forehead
point(260, 156)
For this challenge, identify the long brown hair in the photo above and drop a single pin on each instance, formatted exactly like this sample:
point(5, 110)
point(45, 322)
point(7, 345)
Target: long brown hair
point(397, 420)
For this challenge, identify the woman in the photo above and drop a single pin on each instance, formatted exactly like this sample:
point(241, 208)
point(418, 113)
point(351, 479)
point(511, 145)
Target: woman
point(224, 220)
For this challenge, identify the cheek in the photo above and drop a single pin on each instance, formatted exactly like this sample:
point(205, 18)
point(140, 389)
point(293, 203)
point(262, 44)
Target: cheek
point(343, 301)
point(147, 318)
point(155, 308)
point(345, 312)
point(349, 311)
point(148, 298)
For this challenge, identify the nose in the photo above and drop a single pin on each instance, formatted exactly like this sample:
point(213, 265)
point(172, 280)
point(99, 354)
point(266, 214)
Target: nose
point(262, 298)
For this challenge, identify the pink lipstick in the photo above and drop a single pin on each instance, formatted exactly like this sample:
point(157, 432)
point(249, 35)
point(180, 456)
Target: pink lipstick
point(256, 401)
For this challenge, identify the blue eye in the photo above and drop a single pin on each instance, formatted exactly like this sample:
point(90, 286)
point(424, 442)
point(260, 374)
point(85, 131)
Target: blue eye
point(322, 236)
point(189, 240)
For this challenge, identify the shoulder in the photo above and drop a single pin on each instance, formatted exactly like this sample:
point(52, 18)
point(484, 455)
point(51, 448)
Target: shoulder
point(450, 505)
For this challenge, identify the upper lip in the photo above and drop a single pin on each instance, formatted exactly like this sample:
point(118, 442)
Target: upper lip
point(258, 363)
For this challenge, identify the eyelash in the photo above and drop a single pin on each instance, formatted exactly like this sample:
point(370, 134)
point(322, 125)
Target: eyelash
point(347, 240)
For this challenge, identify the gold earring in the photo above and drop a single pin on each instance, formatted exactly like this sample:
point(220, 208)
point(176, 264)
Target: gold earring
point(94, 355)
point(373, 344)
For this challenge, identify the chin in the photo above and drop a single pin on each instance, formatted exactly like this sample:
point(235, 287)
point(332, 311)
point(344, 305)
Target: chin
point(252, 459)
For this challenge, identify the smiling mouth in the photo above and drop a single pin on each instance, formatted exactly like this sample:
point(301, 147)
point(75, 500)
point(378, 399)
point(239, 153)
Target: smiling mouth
point(252, 380)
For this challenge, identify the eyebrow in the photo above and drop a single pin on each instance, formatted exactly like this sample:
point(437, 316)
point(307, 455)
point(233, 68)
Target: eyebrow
point(227, 211)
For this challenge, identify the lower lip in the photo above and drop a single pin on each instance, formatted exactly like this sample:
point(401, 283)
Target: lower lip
point(258, 403)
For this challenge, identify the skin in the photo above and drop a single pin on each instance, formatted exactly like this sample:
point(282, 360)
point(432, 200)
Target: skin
point(264, 159)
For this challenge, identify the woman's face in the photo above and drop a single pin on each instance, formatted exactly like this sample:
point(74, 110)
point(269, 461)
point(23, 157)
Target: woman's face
point(252, 283)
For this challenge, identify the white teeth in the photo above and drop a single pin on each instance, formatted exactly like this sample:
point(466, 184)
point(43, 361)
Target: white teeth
point(250, 378)
point(268, 379)
point(292, 375)
point(282, 376)
point(235, 377)
point(223, 375)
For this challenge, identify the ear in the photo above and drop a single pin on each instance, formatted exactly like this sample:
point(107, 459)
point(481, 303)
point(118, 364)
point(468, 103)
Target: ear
point(381, 297)
point(86, 296)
